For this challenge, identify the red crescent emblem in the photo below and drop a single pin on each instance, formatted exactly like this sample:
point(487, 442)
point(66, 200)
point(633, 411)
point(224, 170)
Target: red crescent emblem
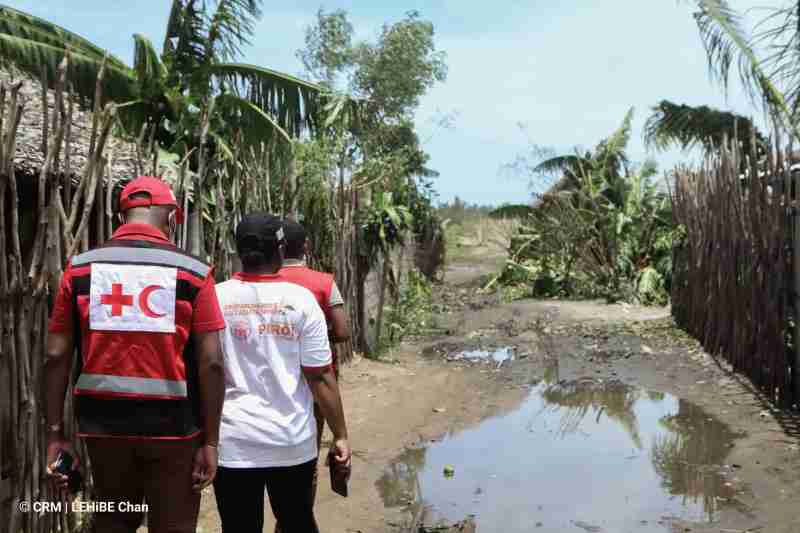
point(144, 305)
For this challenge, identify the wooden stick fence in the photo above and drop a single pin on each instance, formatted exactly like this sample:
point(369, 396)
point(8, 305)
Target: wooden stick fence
point(57, 218)
point(31, 261)
point(732, 281)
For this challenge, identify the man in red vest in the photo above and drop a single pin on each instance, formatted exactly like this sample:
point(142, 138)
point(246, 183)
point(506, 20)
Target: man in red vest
point(325, 291)
point(145, 318)
point(321, 284)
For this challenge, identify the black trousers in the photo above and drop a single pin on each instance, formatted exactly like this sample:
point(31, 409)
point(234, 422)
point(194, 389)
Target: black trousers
point(240, 498)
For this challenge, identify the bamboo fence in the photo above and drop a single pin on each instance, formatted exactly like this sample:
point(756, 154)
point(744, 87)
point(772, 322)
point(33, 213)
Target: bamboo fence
point(68, 208)
point(733, 277)
point(31, 261)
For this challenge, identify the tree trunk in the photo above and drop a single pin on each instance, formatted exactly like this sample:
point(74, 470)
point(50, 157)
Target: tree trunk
point(196, 236)
point(387, 264)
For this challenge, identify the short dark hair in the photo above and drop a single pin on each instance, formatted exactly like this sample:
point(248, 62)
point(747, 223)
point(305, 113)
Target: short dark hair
point(295, 235)
point(258, 240)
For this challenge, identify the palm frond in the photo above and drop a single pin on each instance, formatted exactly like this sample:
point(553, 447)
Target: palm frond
point(243, 116)
point(611, 151)
point(779, 34)
point(185, 41)
point(620, 138)
point(726, 43)
point(553, 165)
point(292, 102)
point(685, 126)
point(20, 24)
point(32, 57)
point(339, 110)
point(230, 27)
point(146, 63)
point(173, 28)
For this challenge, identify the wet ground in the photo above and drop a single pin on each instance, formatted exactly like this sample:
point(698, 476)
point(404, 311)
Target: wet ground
point(584, 454)
point(477, 429)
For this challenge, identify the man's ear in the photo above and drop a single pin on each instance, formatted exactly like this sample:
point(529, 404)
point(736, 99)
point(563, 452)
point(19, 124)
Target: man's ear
point(172, 225)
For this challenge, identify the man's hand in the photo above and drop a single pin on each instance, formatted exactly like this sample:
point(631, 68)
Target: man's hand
point(325, 389)
point(56, 444)
point(57, 367)
point(205, 467)
point(342, 456)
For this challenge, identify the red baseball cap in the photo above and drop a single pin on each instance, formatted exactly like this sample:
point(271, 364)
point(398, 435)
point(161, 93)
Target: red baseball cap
point(159, 193)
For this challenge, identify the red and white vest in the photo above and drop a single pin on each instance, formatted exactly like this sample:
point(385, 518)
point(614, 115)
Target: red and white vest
point(138, 374)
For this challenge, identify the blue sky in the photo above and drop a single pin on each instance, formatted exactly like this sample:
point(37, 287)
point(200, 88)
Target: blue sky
point(567, 70)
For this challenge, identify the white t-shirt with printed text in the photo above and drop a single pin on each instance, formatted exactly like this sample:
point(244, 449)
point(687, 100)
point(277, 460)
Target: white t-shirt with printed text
point(274, 329)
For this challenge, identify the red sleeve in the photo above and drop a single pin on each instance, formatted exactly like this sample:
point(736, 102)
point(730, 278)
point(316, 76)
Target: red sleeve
point(207, 314)
point(61, 317)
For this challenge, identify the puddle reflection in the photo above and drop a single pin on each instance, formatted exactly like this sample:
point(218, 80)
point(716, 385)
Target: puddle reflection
point(498, 355)
point(577, 454)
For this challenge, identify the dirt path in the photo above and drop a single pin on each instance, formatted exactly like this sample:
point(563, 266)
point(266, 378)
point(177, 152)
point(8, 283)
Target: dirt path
point(420, 396)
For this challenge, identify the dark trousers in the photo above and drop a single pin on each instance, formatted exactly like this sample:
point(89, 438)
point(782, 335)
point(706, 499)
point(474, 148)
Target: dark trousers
point(320, 422)
point(157, 472)
point(240, 498)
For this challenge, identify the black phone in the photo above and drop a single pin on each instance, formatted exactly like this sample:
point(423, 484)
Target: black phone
point(64, 465)
point(338, 479)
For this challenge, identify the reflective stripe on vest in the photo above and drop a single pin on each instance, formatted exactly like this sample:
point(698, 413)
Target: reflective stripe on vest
point(142, 256)
point(132, 386)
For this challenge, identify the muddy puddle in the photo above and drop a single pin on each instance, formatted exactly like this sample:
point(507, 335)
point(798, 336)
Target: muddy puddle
point(576, 456)
point(498, 355)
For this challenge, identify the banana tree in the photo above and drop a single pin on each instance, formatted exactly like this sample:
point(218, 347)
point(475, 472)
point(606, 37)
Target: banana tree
point(193, 96)
point(597, 171)
point(384, 226)
point(169, 89)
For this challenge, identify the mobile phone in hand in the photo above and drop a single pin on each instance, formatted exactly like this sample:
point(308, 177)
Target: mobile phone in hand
point(63, 465)
point(338, 478)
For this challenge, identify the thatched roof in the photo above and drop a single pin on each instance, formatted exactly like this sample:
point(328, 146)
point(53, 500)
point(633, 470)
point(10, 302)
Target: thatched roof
point(29, 157)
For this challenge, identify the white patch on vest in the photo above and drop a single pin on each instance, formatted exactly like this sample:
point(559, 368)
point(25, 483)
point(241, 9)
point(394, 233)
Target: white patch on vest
point(132, 298)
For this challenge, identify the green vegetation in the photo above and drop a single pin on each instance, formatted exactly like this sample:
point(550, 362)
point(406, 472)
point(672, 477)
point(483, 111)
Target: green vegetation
point(194, 74)
point(766, 61)
point(604, 229)
point(686, 127)
point(372, 144)
point(412, 314)
point(339, 152)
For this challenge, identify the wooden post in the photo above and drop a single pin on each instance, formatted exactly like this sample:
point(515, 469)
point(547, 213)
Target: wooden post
point(796, 288)
point(382, 298)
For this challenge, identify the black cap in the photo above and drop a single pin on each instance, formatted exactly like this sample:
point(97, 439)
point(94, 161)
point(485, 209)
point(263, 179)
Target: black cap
point(294, 231)
point(259, 231)
point(295, 235)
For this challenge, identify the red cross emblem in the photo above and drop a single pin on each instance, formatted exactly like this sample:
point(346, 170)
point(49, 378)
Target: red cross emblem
point(116, 299)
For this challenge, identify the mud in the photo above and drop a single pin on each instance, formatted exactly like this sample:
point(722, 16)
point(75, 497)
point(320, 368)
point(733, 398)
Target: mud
point(458, 412)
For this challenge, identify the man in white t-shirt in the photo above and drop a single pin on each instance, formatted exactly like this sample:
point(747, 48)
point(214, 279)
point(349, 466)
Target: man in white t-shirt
point(277, 363)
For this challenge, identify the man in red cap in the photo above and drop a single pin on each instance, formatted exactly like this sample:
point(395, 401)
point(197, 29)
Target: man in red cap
point(145, 318)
